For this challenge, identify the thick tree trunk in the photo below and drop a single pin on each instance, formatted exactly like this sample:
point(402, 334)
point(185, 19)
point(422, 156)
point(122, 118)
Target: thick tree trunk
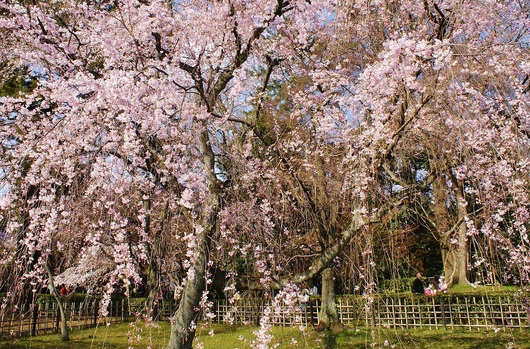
point(187, 314)
point(455, 255)
point(328, 315)
point(153, 285)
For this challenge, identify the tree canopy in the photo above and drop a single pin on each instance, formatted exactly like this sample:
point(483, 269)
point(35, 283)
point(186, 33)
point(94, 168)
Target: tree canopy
point(265, 138)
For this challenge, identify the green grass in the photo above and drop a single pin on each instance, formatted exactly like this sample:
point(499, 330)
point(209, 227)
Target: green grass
point(123, 336)
point(462, 289)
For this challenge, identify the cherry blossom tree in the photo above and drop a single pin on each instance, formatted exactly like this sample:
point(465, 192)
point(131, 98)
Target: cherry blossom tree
point(465, 126)
point(130, 100)
point(415, 90)
point(243, 127)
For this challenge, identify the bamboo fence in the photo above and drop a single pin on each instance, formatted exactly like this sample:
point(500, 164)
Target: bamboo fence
point(443, 312)
point(489, 312)
point(41, 318)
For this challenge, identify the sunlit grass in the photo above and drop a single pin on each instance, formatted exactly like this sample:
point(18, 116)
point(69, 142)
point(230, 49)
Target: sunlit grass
point(124, 336)
point(466, 289)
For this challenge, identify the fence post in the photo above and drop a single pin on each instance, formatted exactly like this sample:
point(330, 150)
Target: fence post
point(527, 306)
point(57, 317)
point(420, 314)
point(486, 322)
point(95, 309)
point(442, 309)
point(374, 323)
point(517, 309)
point(21, 312)
point(434, 313)
point(86, 312)
point(403, 309)
point(34, 316)
point(124, 309)
point(11, 321)
point(467, 313)
point(69, 312)
point(451, 317)
point(46, 308)
point(2, 314)
point(394, 319)
point(311, 311)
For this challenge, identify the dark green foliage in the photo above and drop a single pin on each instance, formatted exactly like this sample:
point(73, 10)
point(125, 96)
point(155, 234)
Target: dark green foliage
point(397, 285)
point(19, 81)
point(74, 298)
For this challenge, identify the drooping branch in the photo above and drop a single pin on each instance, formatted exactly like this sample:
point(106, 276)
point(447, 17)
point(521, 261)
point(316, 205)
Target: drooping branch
point(326, 257)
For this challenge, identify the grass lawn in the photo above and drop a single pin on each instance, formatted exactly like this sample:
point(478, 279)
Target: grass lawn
point(459, 289)
point(124, 336)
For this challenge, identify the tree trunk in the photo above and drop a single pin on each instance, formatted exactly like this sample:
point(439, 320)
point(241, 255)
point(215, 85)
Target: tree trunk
point(455, 255)
point(453, 239)
point(328, 315)
point(153, 286)
point(64, 329)
point(153, 269)
point(186, 316)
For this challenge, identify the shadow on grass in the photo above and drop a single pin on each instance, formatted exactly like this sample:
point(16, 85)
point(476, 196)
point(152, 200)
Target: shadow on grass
point(15, 344)
point(461, 339)
point(330, 340)
point(116, 337)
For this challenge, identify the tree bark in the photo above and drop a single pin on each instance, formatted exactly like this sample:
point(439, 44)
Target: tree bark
point(455, 259)
point(328, 315)
point(64, 329)
point(153, 286)
point(186, 316)
point(455, 255)
point(182, 329)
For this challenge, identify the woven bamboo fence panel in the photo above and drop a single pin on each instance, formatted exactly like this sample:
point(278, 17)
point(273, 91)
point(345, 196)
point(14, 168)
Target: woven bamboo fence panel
point(470, 312)
point(446, 312)
point(44, 318)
